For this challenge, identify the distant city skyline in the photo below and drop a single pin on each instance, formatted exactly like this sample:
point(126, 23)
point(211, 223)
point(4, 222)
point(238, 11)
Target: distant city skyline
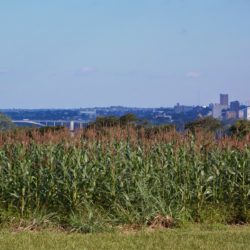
point(134, 53)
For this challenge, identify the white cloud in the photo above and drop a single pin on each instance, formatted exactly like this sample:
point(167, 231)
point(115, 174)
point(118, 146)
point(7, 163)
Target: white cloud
point(87, 70)
point(193, 74)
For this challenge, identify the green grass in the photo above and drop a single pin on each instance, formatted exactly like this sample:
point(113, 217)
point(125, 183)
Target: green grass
point(194, 237)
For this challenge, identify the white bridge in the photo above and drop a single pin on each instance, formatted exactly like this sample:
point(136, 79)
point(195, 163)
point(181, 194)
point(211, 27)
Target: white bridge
point(71, 124)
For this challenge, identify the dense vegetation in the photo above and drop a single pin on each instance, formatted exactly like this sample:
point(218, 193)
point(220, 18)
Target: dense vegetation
point(5, 123)
point(207, 124)
point(113, 176)
point(240, 129)
point(114, 121)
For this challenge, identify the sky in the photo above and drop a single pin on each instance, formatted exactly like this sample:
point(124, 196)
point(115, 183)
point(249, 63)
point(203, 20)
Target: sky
point(135, 53)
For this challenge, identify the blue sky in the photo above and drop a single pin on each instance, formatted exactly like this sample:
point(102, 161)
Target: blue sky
point(145, 53)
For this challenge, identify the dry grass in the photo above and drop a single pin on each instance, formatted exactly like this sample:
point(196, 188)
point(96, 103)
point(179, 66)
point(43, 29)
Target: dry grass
point(204, 141)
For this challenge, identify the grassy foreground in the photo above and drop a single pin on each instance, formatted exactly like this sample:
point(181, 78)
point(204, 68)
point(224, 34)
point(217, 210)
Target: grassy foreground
point(198, 237)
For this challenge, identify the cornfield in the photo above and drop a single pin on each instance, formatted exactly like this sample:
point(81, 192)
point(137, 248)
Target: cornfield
point(122, 176)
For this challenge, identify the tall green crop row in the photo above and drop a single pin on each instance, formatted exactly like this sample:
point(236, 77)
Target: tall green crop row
point(128, 183)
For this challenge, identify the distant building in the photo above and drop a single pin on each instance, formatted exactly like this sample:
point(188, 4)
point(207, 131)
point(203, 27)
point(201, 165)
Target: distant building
point(182, 109)
point(210, 105)
point(235, 107)
point(241, 114)
point(224, 99)
point(217, 110)
point(230, 115)
point(88, 113)
point(246, 113)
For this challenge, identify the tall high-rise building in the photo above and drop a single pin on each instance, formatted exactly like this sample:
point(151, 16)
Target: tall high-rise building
point(235, 107)
point(224, 99)
point(246, 113)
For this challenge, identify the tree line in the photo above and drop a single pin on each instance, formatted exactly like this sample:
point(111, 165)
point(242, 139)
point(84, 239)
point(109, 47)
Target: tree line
point(240, 128)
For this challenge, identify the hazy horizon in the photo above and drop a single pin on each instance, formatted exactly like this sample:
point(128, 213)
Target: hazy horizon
point(140, 53)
